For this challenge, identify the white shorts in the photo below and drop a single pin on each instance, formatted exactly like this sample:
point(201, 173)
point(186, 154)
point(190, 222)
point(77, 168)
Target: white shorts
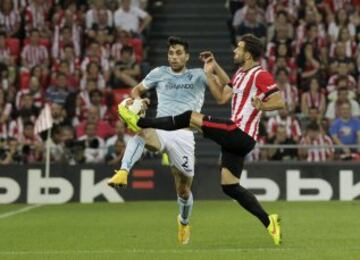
point(180, 146)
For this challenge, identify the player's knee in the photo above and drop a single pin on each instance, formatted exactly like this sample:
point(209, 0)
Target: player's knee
point(183, 192)
point(232, 190)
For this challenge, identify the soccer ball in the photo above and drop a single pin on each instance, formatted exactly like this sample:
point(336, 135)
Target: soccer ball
point(134, 105)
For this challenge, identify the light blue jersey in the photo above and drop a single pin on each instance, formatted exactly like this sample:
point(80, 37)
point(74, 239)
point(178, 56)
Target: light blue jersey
point(177, 93)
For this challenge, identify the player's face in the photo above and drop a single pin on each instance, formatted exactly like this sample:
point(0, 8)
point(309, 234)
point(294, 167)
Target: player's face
point(239, 53)
point(177, 57)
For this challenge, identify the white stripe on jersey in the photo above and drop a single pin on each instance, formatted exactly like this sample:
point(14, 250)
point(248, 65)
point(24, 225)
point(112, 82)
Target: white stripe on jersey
point(237, 90)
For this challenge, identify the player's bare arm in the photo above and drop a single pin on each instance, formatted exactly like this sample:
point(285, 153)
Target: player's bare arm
point(220, 91)
point(274, 101)
point(208, 57)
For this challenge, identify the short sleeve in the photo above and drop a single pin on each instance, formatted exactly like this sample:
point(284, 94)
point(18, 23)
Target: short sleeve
point(265, 82)
point(152, 79)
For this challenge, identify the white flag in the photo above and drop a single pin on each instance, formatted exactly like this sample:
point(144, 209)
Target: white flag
point(44, 121)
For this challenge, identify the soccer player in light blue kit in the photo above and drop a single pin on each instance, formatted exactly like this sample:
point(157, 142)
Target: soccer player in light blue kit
point(178, 89)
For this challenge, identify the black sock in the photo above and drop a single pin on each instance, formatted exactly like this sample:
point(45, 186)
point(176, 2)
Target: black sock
point(167, 122)
point(247, 200)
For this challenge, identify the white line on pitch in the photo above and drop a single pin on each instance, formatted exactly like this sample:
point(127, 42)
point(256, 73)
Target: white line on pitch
point(19, 211)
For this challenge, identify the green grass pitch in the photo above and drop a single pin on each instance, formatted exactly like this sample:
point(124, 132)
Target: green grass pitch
point(147, 230)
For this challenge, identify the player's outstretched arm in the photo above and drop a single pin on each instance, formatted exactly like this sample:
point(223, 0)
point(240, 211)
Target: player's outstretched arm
point(222, 94)
point(208, 56)
point(218, 88)
point(138, 90)
point(274, 101)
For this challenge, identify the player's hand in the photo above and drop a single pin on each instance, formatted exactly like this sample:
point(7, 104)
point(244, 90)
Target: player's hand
point(256, 102)
point(206, 56)
point(145, 103)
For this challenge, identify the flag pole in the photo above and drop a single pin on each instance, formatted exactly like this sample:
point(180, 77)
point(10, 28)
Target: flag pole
point(47, 158)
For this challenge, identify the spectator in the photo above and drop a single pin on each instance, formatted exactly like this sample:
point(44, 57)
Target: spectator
point(34, 54)
point(5, 55)
point(27, 108)
point(96, 54)
point(345, 39)
point(58, 92)
point(36, 15)
point(289, 92)
point(341, 20)
point(10, 19)
point(120, 134)
point(103, 129)
point(97, 100)
point(128, 18)
point(333, 108)
point(34, 91)
point(32, 148)
point(345, 130)
point(290, 123)
point(251, 25)
point(94, 145)
point(116, 156)
point(11, 154)
point(281, 21)
point(5, 112)
point(58, 114)
point(280, 138)
point(308, 64)
point(126, 71)
point(313, 98)
point(98, 16)
point(240, 15)
point(340, 57)
point(313, 137)
point(334, 81)
point(66, 36)
point(93, 73)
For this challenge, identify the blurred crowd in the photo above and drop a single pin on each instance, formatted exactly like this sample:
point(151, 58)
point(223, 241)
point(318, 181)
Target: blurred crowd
point(313, 51)
point(81, 56)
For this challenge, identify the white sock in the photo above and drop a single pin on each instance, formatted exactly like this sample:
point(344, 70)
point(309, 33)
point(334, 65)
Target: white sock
point(133, 152)
point(185, 208)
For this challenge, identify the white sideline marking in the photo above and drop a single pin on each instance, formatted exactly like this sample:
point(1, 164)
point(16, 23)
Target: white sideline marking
point(161, 251)
point(18, 211)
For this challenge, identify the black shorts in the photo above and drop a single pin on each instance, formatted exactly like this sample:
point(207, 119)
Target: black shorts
point(235, 143)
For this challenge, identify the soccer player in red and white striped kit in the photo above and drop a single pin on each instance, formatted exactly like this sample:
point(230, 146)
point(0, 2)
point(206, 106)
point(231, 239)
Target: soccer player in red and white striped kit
point(251, 91)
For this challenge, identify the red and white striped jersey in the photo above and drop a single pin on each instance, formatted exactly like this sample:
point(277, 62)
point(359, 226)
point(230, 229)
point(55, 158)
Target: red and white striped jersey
point(318, 100)
point(35, 16)
point(292, 126)
point(331, 86)
point(319, 154)
point(34, 55)
point(247, 84)
point(10, 21)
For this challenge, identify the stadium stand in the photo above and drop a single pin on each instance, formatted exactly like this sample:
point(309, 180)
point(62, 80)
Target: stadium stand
point(77, 54)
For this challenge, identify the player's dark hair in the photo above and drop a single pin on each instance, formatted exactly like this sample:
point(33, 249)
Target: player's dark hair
point(313, 126)
point(253, 45)
point(172, 40)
